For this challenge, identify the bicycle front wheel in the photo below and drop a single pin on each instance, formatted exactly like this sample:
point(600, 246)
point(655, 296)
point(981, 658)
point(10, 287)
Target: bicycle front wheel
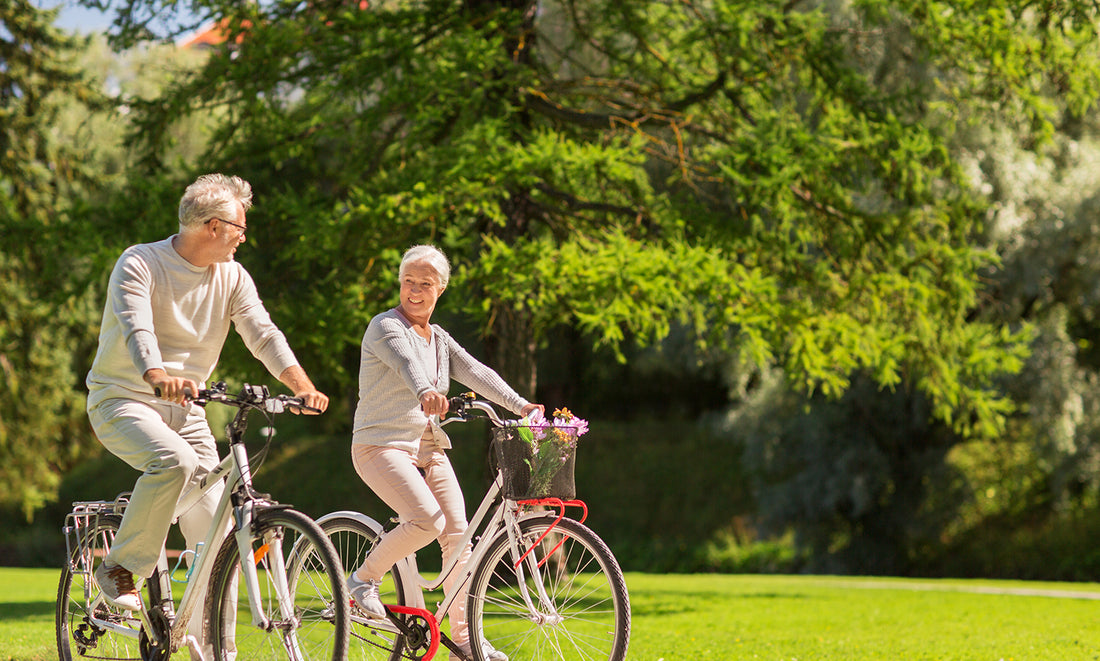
point(302, 600)
point(87, 627)
point(566, 600)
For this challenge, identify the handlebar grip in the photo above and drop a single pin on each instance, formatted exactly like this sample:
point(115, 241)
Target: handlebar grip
point(297, 403)
point(186, 391)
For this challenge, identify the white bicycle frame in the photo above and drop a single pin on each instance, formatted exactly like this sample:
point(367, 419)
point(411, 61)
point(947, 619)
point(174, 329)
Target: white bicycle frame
point(504, 518)
point(235, 467)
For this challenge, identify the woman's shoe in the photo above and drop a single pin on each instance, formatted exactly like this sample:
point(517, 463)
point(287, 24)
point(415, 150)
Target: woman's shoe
point(365, 594)
point(487, 653)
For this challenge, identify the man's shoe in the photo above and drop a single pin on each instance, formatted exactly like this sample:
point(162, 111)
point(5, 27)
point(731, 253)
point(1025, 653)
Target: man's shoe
point(487, 653)
point(365, 594)
point(117, 584)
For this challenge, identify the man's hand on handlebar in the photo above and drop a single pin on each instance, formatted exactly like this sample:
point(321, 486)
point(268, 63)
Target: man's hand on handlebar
point(172, 388)
point(315, 402)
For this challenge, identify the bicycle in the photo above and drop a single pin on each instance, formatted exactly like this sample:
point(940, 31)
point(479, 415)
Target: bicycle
point(269, 595)
point(542, 586)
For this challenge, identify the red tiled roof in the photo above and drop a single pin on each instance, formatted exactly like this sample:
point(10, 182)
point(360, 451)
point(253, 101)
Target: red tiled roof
point(211, 36)
point(217, 33)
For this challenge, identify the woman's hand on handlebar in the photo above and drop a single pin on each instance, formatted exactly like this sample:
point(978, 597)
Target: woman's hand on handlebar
point(172, 388)
point(433, 403)
point(526, 411)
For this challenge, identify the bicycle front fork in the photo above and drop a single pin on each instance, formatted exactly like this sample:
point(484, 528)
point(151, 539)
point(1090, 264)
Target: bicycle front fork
point(244, 515)
point(524, 555)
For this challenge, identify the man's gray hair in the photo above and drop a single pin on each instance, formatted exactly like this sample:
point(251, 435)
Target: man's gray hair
point(213, 196)
point(431, 256)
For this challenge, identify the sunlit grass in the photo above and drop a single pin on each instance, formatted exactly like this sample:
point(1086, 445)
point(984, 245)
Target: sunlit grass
point(762, 617)
point(842, 618)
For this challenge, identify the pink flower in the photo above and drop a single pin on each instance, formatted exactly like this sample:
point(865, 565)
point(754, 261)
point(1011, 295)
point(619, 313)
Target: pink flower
point(563, 417)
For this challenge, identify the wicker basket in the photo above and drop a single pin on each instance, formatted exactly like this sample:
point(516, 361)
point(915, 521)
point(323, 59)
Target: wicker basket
point(536, 462)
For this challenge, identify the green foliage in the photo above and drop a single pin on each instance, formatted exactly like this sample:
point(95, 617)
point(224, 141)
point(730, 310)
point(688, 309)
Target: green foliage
point(613, 287)
point(62, 223)
point(998, 101)
point(822, 190)
point(730, 553)
point(42, 430)
point(47, 309)
point(857, 479)
point(768, 175)
point(1043, 226)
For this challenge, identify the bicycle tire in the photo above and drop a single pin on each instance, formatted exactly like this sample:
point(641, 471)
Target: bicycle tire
point(590, 618)
point(371, 640)
point(318, 629)
point(77, 636)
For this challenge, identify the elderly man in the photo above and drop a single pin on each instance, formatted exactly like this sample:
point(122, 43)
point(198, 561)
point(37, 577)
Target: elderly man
point(169, 308)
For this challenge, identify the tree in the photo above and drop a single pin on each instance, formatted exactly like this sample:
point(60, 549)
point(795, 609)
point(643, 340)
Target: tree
point(44, 177)
point(62, 137)
point(775, 176)
point(873, 497)
point(1044, 226)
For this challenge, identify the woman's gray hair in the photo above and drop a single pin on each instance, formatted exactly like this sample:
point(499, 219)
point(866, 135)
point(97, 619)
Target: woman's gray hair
point(431, 256)
point(213, 196)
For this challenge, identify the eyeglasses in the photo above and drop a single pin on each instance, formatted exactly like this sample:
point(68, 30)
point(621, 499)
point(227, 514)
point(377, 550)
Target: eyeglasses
point(229, 222)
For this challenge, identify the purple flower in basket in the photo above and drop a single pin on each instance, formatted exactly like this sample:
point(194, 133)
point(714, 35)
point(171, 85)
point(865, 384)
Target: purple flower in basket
point(564, 425)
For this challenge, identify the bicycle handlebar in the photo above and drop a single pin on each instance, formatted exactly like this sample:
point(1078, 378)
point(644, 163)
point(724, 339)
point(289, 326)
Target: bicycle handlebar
point(460, 407)
point(250, 397)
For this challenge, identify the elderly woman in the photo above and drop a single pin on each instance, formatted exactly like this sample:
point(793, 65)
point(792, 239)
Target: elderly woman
point(398, 447)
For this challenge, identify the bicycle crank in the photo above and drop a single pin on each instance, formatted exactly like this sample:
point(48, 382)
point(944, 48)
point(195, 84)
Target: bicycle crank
point(156, 647)
point(419, 628)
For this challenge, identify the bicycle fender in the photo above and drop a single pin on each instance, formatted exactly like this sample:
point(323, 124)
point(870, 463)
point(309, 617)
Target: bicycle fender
point(351, 514)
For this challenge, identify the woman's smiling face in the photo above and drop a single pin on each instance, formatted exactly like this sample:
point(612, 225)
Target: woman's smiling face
point(420, 289)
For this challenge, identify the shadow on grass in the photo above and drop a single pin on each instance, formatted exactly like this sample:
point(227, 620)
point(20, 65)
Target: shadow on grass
point(26, 610)
point(649, 603)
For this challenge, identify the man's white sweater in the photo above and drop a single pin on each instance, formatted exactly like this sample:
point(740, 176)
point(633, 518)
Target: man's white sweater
point(164, 312)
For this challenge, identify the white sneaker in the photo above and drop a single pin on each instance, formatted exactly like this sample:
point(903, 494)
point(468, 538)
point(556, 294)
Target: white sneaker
point(487, 652)
point(117, 584)
point(365, 594)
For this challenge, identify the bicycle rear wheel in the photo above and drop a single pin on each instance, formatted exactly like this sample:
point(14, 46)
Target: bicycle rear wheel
point(313, 628)
point(87, 627)
point(371, 640)
point(566, 600)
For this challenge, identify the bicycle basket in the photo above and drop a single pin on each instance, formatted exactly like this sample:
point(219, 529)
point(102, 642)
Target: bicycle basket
point(536, 462)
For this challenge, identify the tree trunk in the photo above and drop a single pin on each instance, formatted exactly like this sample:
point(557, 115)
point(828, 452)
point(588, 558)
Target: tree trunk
point(510, 348)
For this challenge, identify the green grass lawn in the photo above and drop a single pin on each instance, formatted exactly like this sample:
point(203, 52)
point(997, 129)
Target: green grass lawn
point(778, 618)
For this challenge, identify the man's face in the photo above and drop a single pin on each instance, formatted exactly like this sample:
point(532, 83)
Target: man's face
point(230, 234)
